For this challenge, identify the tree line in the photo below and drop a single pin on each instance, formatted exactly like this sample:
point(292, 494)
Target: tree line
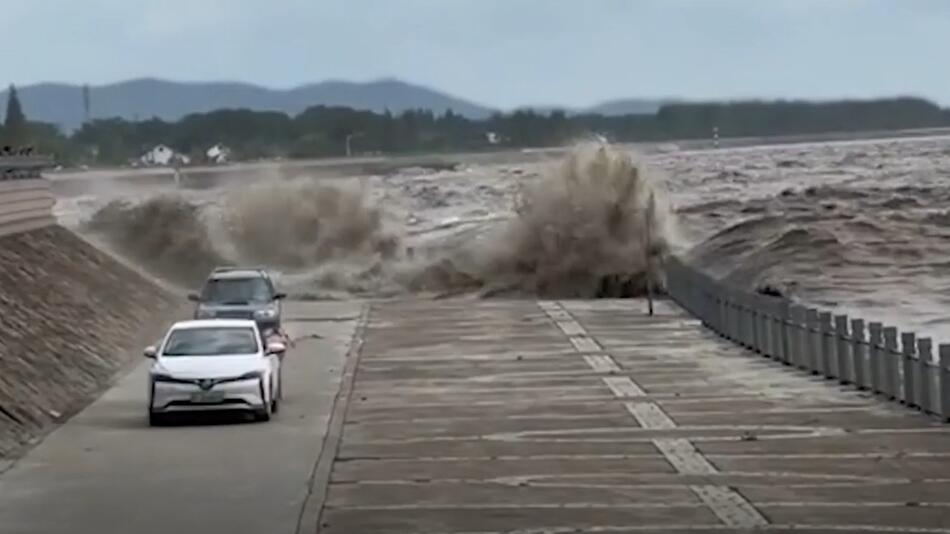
point(322, 131)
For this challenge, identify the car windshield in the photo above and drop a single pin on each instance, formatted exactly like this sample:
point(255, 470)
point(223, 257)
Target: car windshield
point(237, 291)
point(216, 341)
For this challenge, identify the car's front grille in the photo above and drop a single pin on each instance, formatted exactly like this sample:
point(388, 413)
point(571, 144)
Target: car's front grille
point(229, 314)
point(225, 402)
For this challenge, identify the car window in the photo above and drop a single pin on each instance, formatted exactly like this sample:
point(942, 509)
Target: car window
point(237, 291)
point(212, 341)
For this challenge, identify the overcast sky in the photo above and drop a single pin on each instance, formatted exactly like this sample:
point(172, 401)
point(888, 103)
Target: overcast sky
point(501, 53)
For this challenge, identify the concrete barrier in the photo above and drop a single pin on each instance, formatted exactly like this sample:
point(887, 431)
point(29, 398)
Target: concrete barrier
point(26, 201)
point(895, 365)
point(25, 204)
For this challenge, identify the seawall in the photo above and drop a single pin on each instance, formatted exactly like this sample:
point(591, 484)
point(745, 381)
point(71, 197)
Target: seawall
point(71, 316)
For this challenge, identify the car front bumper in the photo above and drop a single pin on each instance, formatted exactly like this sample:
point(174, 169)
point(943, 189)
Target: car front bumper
point(246, 395)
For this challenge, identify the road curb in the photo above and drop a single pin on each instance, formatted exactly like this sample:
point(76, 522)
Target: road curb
point(312, 510)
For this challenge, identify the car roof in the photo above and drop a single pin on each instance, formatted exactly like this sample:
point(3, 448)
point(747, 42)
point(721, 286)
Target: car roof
point(220, 323)
point(238, 274)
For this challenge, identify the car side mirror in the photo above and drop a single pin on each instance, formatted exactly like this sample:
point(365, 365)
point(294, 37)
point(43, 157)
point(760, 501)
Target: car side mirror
point(279, 296)
point(194, 297)
point(150, 352)
point(276, 347)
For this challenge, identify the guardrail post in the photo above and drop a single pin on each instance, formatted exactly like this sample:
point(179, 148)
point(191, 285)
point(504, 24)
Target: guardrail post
point(775, 331)
point(735, 331)
point(814, 340)
point(908, 353)
point(891, 371)
point(922, 374)
point(720, 311)
point(842, 349)
point(746, 322)
point(827, 346)
point(755, 324)
point(790, 333)
point(944, 374)
point(797, 335)
point(858, 353)
point(733, 313)
point(876, 356)
point(784, 339)
point(765, 333)
point(750, 321)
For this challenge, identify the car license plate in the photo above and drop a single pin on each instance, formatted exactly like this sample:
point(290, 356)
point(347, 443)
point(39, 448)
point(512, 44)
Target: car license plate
point(207, 397)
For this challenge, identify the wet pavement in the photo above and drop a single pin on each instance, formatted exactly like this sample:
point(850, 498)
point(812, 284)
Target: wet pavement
point(589, 416)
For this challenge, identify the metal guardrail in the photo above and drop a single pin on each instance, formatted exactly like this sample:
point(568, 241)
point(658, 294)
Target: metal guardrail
point(867, 355)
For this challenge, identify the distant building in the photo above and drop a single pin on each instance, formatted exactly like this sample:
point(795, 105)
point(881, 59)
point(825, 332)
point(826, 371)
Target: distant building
point(492, 138)
point(160, 155)
point(163, 156)
point(218, 154)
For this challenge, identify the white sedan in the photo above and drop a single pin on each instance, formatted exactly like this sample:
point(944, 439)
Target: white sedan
point(217, 364)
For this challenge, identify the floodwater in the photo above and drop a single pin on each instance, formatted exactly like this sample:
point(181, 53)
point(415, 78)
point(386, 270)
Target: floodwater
point(859, 227)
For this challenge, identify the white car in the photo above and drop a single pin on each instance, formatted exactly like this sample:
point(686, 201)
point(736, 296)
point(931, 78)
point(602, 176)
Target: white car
point(216, 364)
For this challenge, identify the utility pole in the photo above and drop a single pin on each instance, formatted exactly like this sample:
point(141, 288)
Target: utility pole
point(86, 104)
point(648, 251)
point(348, 138)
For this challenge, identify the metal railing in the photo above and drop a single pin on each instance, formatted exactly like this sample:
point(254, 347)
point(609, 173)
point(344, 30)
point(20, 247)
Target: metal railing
point(867, 355)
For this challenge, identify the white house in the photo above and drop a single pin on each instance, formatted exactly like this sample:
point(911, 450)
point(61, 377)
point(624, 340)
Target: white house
point(218, 153)
point(163, 156)
point(492, 138)
point(159, 155)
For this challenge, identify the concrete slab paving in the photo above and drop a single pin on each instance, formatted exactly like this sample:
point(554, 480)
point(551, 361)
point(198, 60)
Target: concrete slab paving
point(106, 471)
point(590, 416)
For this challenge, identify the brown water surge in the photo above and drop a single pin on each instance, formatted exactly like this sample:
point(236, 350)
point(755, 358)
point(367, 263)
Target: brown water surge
point(573, 225)
point(858, 227)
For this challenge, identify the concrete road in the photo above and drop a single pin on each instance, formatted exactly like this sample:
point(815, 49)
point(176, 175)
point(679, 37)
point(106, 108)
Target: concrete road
point(488, 417)
point(106, 471)
point(496, 417)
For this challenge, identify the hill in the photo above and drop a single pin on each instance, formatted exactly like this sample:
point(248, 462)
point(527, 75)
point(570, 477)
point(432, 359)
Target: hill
point(62, 104)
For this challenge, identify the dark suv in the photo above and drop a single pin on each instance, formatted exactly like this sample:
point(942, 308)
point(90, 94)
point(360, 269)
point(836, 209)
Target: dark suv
point(239, 293)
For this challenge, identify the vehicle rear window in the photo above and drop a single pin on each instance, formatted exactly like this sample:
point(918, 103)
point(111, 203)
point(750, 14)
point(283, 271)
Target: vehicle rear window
point(237, 291)
point(211, 341)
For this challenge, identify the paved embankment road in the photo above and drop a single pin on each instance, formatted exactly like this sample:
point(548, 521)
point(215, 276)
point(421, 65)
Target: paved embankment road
point(463, 416)
point(556, 417)
point(107, 472)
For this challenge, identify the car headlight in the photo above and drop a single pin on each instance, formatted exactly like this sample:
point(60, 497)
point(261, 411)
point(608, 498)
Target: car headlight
point(253, 375)
point(265, 314)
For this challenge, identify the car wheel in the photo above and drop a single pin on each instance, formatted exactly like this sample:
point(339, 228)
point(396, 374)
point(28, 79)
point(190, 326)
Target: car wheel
point(157, 419)
point(263, 415)
point(275, 401)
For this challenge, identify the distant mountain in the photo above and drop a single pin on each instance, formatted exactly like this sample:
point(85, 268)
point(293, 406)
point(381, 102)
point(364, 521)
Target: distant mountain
point(62, 104)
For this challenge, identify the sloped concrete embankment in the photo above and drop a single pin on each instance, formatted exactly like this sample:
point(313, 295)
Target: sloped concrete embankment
point(71, 318)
